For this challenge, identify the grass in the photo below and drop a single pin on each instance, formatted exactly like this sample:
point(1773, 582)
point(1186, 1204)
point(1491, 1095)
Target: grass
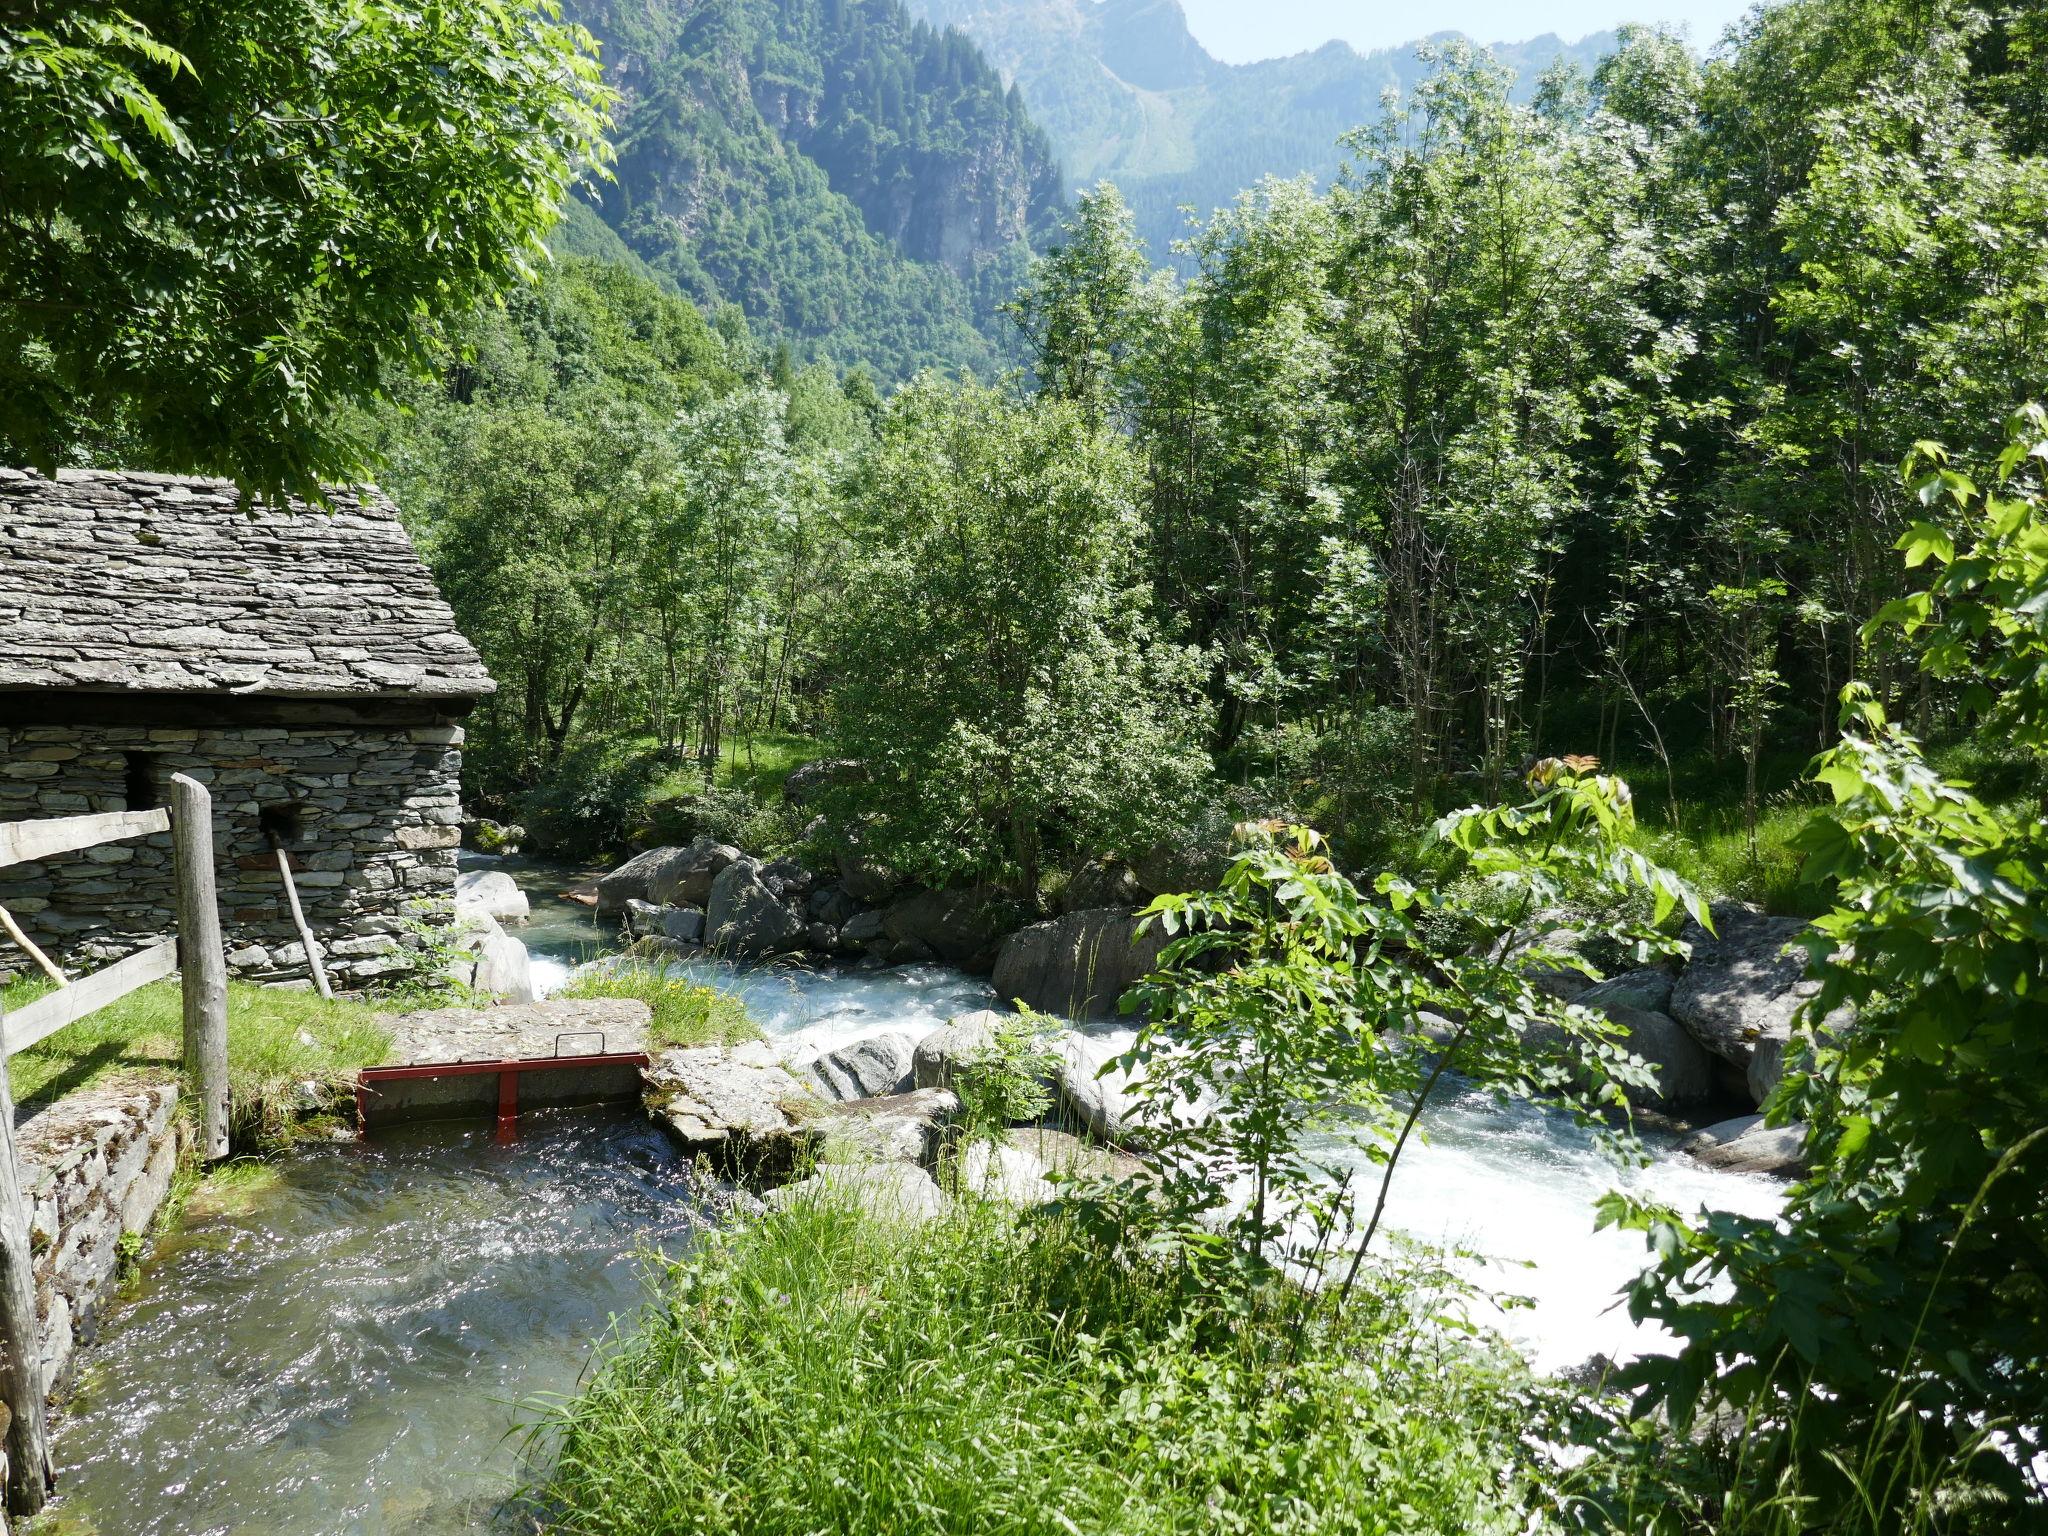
point(277, 1041)
point(757, 763)
point(818, 1370)
point(685, 1012)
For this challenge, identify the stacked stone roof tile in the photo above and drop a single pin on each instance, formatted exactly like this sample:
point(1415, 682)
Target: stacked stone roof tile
point(161, 583)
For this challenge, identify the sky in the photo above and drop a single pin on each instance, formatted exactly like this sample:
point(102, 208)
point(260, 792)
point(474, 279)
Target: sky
point(1238, 31)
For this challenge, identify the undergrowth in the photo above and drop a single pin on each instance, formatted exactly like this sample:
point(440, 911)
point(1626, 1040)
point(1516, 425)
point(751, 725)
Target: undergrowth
point(822, 1370)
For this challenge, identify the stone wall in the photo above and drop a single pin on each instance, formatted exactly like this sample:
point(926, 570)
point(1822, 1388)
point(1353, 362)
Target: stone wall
point(370, 812)
point(96, 1167)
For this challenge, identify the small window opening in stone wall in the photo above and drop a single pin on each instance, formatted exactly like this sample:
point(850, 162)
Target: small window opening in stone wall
point(139, 789)
point(283, 825)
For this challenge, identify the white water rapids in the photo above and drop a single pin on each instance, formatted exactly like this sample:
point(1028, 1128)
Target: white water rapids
point(1516, 1184)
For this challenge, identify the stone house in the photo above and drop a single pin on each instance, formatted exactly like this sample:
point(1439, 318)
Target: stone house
point(300, 662)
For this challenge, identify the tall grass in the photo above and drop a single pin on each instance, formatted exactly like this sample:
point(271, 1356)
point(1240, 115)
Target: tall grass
point(685, 1012)
point(277, 1042)
point(817, 1370)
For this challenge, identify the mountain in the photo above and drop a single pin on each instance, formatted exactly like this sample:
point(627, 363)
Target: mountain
point(861, 183)
point(1124, 91)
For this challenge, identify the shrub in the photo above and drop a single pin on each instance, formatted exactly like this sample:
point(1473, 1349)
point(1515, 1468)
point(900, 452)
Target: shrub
point(1010, 1079)
point(592, 804)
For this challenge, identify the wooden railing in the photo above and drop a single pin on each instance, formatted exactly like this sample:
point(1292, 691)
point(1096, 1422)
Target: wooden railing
point(189, 819)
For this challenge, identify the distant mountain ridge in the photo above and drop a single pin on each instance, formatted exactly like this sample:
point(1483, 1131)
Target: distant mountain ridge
point(862, 184)
point(1124, 90)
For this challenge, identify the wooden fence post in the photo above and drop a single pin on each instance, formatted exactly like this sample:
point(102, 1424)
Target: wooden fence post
point(21, 1332)
point(203, 962)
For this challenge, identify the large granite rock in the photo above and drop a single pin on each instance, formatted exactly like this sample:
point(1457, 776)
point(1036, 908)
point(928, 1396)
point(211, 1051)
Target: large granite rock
point(835, 907)
point(962, 927)
point(739, 1105)
point(807, 780)
point(503, 969)
point(677, 925)
point(950, 1051)
point(1005, 1172)
point(1741, 989)
point(1647, 990)
point(747, 917)
point(634, 879)
point(488, 960)
point(685, 881)
point(1746, 1145)
point(896, 1192)
point(897, 1127)
point(1096, 1097)
point(490, 893)
point(1078, 966)
point(865, 1069)
point(1102, 883)
point(1684, 1070)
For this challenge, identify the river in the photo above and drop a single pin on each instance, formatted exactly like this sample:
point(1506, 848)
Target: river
point(339, 1346)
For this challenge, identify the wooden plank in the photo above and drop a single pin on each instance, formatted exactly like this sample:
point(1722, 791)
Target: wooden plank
point(22, 841)
point(67, 1005)
point(206, 965)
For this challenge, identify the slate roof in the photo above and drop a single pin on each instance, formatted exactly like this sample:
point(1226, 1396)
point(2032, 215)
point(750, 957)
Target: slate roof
point(116, 581)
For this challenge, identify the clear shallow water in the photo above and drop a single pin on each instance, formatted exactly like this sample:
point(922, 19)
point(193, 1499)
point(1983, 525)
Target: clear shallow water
point(340, 1348)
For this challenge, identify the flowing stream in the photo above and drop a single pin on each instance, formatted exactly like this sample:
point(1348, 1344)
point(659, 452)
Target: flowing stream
point(339, 1347)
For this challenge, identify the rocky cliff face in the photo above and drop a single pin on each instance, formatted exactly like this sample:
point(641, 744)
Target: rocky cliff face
point(849, 175)
point(1126, 92)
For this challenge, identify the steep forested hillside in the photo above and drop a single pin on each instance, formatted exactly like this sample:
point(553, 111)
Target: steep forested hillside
point(1126, 92)
point(860, 183)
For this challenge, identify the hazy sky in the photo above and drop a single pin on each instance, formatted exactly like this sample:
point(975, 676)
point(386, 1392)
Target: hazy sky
point(1241, 30)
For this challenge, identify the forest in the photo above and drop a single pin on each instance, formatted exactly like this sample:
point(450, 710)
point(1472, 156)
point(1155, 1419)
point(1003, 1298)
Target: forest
point(1571, 427)
point(1612, 511)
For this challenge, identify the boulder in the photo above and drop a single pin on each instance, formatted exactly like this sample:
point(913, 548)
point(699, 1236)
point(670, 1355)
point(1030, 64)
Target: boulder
point(900, 1192)
point(1684, 1070)
point(1746, 1145)
point(686, 879)
point(866, 879)
point(740, 1105)
point(866, 1069)
point(1063, 1154)
point(747, 919)
point(834, 906)
point(963, 927)
point(864, 931)
point(1647, 990)
point(946, 1052)
point(490, 893)
point(897, 1127)
point(678, 925)
point(1099, 1102)
point(1001, 1171)
point(787, 879)
point(1742, 987)
point(503, 968)
point(807, 780)
point(1078, 966)
point(634, 879)
point(1102, 883)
